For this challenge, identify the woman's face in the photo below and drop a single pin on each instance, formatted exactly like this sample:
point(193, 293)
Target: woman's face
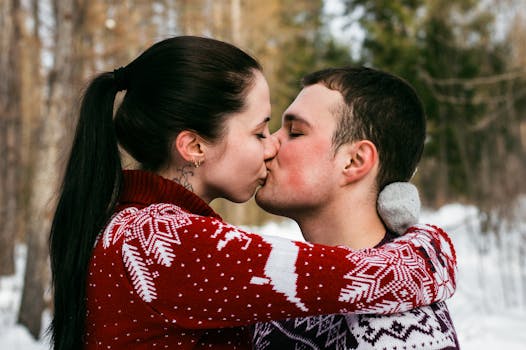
point(235, 165)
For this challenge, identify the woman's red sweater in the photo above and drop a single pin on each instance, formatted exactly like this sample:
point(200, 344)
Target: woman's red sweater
point(168, 273)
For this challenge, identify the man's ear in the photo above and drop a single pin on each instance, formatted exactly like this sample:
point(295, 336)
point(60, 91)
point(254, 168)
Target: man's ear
point(189, 145)
point(362, 158)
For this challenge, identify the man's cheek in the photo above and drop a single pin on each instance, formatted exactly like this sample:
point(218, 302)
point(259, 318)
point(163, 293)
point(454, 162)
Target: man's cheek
point(296, 179)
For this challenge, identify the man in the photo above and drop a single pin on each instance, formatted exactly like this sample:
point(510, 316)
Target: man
point(348, 134)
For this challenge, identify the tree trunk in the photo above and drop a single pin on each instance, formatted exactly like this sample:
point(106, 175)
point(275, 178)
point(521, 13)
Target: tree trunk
point(442, 190)
point(236, 24)
point(32, 103)
point(190, 17)
point(49, 153)
point(461, 139)
point(10, 111)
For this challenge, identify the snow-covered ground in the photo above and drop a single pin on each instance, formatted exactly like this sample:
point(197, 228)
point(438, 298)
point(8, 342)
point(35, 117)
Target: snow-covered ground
point(12, 336)
point(480, 311)
point(486, 315)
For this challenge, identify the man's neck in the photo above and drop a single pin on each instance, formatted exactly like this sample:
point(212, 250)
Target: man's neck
point(355, 226)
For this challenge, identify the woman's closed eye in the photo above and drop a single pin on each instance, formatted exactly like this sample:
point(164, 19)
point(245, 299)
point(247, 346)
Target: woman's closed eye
point(263, 133)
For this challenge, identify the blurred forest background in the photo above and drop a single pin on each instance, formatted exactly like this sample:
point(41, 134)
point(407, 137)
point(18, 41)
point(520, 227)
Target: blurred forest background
point(467, 59)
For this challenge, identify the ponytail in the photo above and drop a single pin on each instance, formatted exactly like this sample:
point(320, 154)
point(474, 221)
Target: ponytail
point(88, 195)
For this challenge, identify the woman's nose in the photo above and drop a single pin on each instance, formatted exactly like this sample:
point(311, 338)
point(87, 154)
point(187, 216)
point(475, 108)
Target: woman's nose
point(271, 147)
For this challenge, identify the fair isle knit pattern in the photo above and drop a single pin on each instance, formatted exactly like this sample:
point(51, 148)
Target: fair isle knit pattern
point(423, 328)
point(167, 272)
point(427, 327)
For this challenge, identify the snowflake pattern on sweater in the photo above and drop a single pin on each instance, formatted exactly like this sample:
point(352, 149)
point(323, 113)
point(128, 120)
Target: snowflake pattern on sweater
point(168, 272)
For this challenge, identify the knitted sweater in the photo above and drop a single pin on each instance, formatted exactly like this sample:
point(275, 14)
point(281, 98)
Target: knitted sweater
point(167, 272)
point(425, 328)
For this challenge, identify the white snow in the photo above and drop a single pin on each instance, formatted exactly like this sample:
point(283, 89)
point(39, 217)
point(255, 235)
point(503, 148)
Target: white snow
point(488, 309)
point(13, 336)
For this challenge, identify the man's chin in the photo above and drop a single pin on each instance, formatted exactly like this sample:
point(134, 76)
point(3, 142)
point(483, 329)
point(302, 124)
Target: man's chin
point(260, 195)
point(266, 202)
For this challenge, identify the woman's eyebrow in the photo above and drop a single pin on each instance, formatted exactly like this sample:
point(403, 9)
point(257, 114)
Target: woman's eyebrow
point(266, 120)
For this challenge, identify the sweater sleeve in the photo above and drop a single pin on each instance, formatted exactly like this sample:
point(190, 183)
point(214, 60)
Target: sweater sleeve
point(199, 272)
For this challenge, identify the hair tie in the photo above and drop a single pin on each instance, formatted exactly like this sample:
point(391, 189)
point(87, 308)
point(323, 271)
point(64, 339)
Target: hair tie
point(121, 79)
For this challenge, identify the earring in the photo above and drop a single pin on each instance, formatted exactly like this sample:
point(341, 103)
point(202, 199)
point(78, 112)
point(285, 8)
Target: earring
point(197, 163)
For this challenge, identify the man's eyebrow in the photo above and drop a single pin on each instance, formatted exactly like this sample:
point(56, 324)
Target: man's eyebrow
point(289, 117)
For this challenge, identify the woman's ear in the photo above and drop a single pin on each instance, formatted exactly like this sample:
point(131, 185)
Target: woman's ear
point(189, 145)
point(361, 159)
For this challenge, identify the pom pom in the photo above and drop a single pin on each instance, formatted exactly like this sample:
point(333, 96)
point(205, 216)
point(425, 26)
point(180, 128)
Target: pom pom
point(399, 206)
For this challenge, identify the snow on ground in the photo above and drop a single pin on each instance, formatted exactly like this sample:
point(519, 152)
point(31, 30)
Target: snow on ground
point(13, 336)
point(482, 319)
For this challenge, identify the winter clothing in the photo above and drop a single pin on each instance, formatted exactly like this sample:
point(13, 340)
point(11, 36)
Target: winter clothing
point(167, 272)
point(424, 328)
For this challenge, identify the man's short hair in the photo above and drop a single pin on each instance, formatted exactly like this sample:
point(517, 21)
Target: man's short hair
point(381, 108)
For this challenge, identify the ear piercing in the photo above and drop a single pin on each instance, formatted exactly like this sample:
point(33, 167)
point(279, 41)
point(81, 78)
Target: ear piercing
point(197, 163)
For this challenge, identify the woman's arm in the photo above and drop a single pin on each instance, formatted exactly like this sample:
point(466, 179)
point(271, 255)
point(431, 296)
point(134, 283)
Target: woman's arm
point(204, 273)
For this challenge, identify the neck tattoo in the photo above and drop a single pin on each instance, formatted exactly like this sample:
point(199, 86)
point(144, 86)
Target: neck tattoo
point(185, 174)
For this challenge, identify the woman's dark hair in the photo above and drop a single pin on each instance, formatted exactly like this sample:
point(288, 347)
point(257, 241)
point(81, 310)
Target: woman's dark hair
point(181, 83)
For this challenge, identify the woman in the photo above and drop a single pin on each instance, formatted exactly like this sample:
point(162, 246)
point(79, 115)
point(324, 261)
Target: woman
point(139, 258)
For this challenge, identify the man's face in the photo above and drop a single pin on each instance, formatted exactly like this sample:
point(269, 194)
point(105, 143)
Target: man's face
point(304, 175)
